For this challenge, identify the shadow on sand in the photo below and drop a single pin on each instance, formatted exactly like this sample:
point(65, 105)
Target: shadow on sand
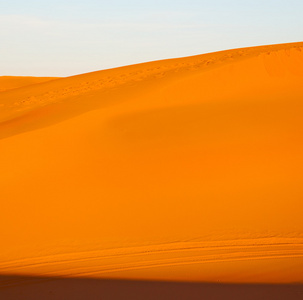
point(34, 288)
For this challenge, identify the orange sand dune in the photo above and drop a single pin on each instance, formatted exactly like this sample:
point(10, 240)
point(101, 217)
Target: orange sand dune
point(184, 169)
point(13, 82)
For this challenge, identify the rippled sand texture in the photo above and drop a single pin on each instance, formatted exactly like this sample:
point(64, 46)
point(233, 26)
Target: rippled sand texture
point(181, 169)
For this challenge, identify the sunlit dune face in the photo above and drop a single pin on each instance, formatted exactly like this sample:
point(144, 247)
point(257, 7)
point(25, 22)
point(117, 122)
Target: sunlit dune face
point(184, 169)
point(14, 82)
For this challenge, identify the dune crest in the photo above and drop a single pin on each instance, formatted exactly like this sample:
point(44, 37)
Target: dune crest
point(181, 169)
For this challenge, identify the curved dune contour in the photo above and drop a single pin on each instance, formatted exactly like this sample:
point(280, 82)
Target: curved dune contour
point(14, 82)
point(182, 169)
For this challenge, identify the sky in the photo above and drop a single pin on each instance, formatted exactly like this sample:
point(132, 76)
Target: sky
point(69, 37)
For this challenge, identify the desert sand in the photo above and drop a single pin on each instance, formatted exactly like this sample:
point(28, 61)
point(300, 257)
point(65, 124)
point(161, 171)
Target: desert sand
point(13, 82)
point(185, 169)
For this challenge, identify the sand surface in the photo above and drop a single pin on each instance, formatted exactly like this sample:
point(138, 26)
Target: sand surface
point(14, 82)
point(185, 169)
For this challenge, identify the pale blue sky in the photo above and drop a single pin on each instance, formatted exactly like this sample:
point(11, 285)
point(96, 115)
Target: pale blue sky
point(67, 37)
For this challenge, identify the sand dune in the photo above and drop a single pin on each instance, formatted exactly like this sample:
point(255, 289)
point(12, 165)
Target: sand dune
point(13, 82)
point(185, 169)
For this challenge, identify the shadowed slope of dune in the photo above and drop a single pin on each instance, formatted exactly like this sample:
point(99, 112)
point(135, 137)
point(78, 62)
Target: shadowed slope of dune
point(183, 169)
point(13, 82)
point(36, 288)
